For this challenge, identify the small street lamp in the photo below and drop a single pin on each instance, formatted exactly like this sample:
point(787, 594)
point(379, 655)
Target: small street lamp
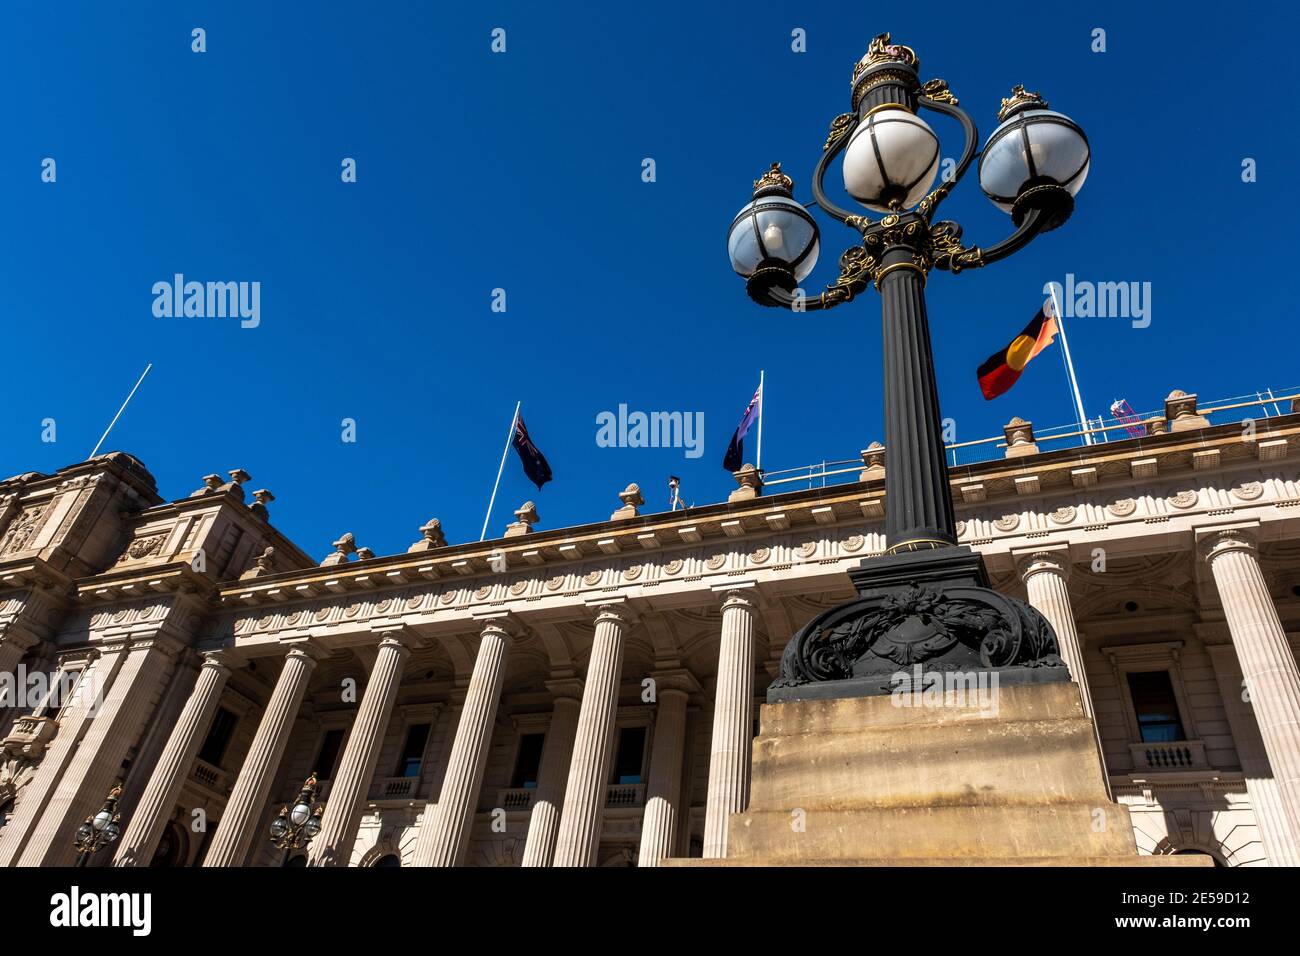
point(297, 825)
point(925, 598)
point(101, 829)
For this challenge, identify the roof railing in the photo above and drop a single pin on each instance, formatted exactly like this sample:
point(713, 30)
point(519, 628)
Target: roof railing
point(1274, 403)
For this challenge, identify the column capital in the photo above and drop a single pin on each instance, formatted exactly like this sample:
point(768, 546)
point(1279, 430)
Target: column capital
point(501, 623)
point(742, 593)
point(223, 660)
point(307, 651)
point(611, 608)
point(403, 636)
point(1045, 558)
point(1215, 541)
point(566, 688)
point(676, 680)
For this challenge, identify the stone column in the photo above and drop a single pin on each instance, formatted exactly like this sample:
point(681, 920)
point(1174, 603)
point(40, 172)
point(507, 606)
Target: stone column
point(145, 827)
point(593, 746)
point(444, 837)
point(1281, 844)
point(85, 702)
point(351, 784)
point(14, 646)
point(663, 794)
point(97, 763)
point(1045, 571)
point(553, 775)
point(243, 813)
point(730, 752)
point(1267, 664)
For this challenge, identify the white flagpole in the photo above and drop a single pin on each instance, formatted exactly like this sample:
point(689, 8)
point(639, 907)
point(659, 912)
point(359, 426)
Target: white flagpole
point(1069, 368)
point(758, 462)
point(119, 412)
point(504, 451)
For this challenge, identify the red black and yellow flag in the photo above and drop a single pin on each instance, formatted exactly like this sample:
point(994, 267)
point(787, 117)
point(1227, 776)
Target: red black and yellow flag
point(1003, 367)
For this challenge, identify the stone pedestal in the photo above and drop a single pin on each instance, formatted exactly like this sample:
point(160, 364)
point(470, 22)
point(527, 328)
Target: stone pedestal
point(1010, 778)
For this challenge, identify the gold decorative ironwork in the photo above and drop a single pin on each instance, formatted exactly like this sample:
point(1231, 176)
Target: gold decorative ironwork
point(1020, 99)
point(774, 179)
point(839, 126)
point(938, 91)
point(927, 206)
point(883, 50)
point(947, 252)
point(857, 266)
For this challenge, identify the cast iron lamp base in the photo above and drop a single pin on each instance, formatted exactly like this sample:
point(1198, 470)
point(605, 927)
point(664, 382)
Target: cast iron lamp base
point(931, 608)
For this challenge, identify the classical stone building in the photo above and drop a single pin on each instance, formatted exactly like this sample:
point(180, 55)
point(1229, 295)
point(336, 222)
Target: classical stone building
point(587, 695)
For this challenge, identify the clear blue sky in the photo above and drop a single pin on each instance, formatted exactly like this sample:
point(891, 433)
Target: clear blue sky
point(523, 171)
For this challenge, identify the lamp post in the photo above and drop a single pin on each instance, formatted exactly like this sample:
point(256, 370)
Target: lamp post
point(925, 598)
point(297, 825)
point(101, 829)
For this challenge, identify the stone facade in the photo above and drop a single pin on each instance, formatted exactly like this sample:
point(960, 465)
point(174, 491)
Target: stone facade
point(587, 695)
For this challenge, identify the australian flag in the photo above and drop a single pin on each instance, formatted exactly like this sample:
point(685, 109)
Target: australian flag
point(736, 450)
point(536, 467)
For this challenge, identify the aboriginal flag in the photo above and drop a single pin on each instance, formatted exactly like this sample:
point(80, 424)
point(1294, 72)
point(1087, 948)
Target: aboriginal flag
point(1004, 366)
point(535, 465)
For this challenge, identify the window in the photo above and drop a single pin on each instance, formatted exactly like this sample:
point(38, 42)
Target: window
point(630, 755)
point(218, 739)
point(1155, 706)
point(528, 762)
point(328, 758)
point(412, 756)
point(390, 859)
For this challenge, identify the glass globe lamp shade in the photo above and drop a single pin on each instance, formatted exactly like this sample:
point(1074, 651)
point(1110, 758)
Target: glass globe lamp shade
point(112, 832)
point(102, 819)
point(892, 157)
point(85, 833)
point(313, 825)
point(1033, 147)
point(299, 814)
point(773, 230)
point(279, 827)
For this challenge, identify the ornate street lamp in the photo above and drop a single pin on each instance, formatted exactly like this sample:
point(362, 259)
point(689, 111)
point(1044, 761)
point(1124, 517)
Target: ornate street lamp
point(297, 825)
point(101, 829)
point(925, 598)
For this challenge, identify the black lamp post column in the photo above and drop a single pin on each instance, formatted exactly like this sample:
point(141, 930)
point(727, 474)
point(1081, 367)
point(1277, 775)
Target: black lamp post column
point(926, 601)
point(918, 499)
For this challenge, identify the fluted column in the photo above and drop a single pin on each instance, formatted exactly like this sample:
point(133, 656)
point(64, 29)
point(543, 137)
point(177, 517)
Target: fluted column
point(664, 791)
point(553, 774)
point(85, 702)
point(733, 718)
point(351, 784)
point(1281, 844)
point(149, 818)
point(243, 812)
point(918, 500)
point(593, 746)
point(1045, 572)
point(1267, 664)
point(114, 728)
point(13, 648)
point(444, 838)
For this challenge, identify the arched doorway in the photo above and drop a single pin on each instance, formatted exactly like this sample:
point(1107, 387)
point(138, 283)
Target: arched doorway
point(389, 859)
point(173, 847)
point(1217, 861)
